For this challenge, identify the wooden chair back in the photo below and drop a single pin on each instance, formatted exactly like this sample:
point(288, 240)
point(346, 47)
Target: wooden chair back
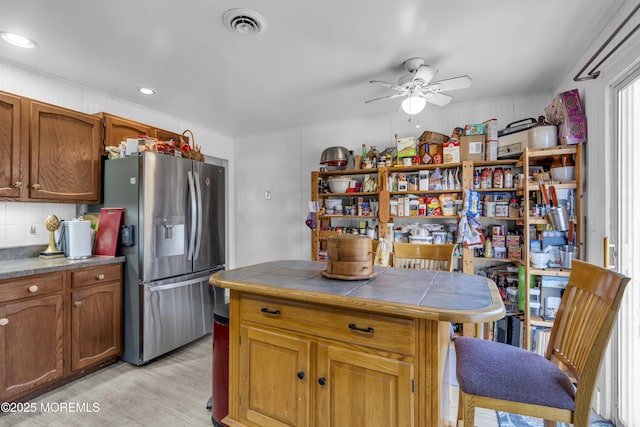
point(427, 257)
point(583, 325)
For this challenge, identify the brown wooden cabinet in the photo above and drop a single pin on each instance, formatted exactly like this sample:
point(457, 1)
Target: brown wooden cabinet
point(10, 145)
point(65, 155)
point(55, 325)
point(96, 315)
point(31, 333)
point(118, 129)
point(302, 365)
point(49, 153)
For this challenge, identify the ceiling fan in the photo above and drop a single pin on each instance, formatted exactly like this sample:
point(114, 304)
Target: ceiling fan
point(418, 89)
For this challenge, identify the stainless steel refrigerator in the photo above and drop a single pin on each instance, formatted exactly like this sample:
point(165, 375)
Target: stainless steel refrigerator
point(176, 209)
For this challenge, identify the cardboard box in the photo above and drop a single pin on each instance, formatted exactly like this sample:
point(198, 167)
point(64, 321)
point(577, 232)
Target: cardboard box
point(406, 147)
point(573, 130)
point(472, 148)
point(474, 129)
point(451, 152)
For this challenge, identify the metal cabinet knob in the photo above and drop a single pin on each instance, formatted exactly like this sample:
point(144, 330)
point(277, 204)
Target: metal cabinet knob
point(4, 321)
point(33, 289)
point(35, 186)
point(77, 303)
point(100, 276)
point(17, 184)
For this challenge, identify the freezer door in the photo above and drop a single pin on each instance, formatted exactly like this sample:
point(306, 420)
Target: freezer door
point(168, 198)
point(210, 224)
point(175, 313)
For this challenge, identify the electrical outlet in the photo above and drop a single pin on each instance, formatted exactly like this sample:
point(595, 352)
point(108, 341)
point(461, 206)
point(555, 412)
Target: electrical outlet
point(267, 195)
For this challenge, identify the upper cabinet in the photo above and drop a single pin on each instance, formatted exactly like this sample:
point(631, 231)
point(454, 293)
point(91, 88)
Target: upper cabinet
point(118, 129)
point(65, 154)
point(10, 146)
point(49, 153)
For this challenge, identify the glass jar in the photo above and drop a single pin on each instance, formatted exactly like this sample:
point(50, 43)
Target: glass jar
point(508, 178)
point(498, 178)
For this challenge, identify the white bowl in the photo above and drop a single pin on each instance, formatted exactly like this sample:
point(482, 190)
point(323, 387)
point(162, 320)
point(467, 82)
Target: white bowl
point(338, 185)
point(332, 203)
point(539, 259)
point(563, 173)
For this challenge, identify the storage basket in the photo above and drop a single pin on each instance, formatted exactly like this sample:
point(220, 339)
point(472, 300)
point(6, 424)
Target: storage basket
point(350, 257)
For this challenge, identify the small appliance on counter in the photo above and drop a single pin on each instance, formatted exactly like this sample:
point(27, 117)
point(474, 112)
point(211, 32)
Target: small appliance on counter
point(76, 239)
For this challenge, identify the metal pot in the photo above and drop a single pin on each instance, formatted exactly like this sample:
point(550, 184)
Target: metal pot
point(334, 157)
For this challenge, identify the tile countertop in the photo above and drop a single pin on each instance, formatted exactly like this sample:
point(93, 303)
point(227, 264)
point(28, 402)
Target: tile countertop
point(17, 262)
point(444, 296)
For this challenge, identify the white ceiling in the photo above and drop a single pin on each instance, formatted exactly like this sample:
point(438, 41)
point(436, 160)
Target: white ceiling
point(313, 62)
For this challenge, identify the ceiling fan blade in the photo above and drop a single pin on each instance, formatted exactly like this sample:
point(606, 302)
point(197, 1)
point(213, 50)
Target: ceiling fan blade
point(395, 95)
point(389, 85)
point(461, 82)
point(440, 99)
point(424, 74)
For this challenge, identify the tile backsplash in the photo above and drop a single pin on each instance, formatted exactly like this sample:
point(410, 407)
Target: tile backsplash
point(22, 224)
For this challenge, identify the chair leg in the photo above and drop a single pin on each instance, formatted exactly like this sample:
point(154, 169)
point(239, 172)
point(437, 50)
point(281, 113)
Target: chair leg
point(466, 410)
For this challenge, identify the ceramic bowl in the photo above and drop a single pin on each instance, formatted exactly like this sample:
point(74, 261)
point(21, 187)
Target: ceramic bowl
point(563, 173)
point(539, 259)
point(338, 185)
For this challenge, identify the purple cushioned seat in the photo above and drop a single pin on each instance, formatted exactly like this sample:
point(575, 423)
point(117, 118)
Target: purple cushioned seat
point(502, 371)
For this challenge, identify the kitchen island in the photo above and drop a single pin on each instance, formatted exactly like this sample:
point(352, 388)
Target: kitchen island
point(305, 350)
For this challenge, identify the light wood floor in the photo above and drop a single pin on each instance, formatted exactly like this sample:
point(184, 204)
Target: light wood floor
point(170, 391)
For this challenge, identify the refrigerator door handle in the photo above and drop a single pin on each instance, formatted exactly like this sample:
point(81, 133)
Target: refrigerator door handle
point(192, 197)
point(199, 218)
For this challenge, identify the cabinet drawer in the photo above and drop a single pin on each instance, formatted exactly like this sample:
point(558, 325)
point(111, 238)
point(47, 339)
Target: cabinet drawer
point(355, 327)
point(30, 286)
point(93, 275)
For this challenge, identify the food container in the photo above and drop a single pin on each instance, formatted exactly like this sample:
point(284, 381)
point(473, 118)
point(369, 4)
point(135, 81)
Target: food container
point(543, 136)
point(338, 184)
point(567, 254)
point(539, 259)
point(350, 257)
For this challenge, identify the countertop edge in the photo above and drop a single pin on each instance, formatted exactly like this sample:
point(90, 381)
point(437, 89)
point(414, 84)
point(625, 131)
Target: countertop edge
point(11, 269)
point(491, 313)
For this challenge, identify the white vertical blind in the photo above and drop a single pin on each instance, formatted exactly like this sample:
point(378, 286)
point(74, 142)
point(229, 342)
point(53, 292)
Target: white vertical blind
point(629, 250)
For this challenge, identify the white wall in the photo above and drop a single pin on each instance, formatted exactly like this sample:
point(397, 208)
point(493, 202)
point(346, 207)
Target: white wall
point(281, 162)
point(17, 219)
point(600, 163)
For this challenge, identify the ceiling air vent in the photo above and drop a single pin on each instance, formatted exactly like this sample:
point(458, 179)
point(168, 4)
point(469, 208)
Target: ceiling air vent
point(244, 21)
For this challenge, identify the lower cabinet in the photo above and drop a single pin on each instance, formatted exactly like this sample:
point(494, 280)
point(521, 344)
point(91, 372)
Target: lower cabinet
point(54, 325)
point(96, 324)
point(300, 365)
point(31, 344)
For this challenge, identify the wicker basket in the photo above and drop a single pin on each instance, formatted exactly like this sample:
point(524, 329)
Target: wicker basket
point(194, 152)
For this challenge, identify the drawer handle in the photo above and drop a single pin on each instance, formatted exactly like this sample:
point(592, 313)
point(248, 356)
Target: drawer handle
point(301, 375)
point(100, 276)
point(4, 321)
point(322, 380)
point(33, 289)
point(267, 311)
point(77, 303)
point(368, 330)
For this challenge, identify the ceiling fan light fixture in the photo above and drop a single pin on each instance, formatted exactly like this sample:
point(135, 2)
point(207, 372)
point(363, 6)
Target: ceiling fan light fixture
point(18, 40)
point(413, 104)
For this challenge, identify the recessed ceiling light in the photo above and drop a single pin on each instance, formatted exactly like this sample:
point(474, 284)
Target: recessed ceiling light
point(18, 40)
point(146, 91)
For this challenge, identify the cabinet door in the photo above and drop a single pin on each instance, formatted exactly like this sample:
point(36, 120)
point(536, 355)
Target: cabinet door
point(96, 324)
point(117, 129)
point(10, 146)
point(275, 378)
point(31, 345)
point(65, 155)
point(361, 389)
point(165, 135)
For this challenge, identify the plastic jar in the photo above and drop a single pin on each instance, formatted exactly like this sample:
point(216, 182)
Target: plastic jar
point(498, 178)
